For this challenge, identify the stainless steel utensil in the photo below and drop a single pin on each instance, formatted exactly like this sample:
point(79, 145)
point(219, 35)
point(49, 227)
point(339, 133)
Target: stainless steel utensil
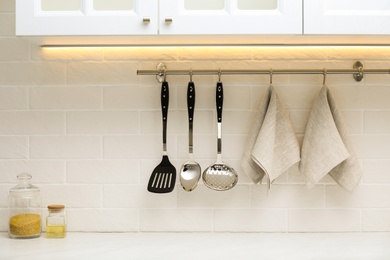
point(190, 171)
point(163, 177)
point(219, 176)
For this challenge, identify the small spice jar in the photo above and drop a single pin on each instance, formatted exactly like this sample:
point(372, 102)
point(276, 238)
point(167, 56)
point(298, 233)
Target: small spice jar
point(56, 222)
point(24, 202)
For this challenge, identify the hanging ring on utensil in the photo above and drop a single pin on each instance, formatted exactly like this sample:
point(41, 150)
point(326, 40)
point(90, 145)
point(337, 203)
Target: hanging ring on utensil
point(219, 74)
point(191, 73)
point(324, 76)
point(271, 73)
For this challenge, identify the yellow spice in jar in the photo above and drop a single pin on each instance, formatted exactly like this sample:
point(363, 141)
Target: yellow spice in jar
point(25, 224)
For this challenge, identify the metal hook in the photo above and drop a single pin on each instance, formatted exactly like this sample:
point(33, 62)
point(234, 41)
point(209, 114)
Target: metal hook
point(271, 73)
point(165, 75)
point(219, 74)
point(324, 76)
point(191, 73)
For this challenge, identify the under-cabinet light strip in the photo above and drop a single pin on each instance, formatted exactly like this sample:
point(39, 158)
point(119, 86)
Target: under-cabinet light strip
point(54, 46)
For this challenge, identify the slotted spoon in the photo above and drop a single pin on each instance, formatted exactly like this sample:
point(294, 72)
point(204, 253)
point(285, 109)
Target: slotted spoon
point(163, 177)
point(219, 176)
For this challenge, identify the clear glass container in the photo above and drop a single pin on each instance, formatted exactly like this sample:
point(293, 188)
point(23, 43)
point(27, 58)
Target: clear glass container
point(24, 202)
point(56, 222)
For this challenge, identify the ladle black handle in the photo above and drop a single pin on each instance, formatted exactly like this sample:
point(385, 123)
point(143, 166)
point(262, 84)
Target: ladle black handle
point(219, 97)
point(164, 108)
point(191, 100)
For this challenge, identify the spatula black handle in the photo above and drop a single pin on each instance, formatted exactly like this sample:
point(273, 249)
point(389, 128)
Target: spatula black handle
point(219, 97)
point(164, 109)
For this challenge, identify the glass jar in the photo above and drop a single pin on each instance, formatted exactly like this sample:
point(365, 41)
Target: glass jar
point(24, 202)
point(56, 222)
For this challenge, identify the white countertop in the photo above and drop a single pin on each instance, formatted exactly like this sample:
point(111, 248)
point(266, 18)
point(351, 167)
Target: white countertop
point(367, 246)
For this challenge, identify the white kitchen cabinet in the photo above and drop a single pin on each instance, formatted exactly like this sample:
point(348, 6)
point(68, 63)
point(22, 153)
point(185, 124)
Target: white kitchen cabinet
point(154, 17)
point(86, 17)
point(183, 17)
point(347, 17)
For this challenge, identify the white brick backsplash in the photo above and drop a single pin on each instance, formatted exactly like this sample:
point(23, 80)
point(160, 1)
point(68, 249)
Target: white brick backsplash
point(7, 6)
point(375, 220)
point(51, 171)
point(177, 220)
point(353, 121)
point(8, 24)
point(14, 98)
point(250, 220)
point(106, 171)
point(69, 98)
point(14, 49)
point(65, 147)
point(203, 197)
point(13, 147)
point(362, 97)
point(4, 191)
point(289, 53)
point(376, 171)
point(32, 73)
point(323, 220)
point(137, 147)
point(4, 214)
point(143, 97)
point(136, 196)
point(72, 196)
point(372, 146)
point(365, 196)
point(89, 130)
point(283, 196)
point(376, 122)
point(32, 123)
point(102, 122)
point(102, 220)
point(102, 73)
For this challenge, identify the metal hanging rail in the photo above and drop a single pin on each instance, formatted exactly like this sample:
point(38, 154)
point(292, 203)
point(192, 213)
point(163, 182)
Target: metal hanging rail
point(357, 71)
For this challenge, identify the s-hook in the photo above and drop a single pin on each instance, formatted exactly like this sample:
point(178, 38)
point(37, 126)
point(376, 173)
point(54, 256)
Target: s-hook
point(219, 74)
point(325, 73)
point(271, 73)
point(191, 73)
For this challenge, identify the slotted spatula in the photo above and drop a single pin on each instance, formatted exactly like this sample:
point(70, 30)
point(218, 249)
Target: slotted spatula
point(163, 177)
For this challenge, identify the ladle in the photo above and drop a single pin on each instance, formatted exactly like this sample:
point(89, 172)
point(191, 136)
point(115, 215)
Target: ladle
point(190, 171)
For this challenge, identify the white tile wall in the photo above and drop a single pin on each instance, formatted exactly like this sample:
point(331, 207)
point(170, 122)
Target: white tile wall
point(89, 131)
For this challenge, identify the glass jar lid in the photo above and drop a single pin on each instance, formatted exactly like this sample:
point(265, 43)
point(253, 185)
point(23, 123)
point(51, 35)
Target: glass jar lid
point(24, 184)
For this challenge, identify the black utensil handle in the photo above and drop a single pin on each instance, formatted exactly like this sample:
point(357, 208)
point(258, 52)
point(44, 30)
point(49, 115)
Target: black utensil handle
point(191, 100)
point(219, 97)
point(164, 108)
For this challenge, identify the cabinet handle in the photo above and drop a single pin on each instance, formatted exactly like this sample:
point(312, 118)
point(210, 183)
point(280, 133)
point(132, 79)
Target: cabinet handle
point(168, 20)
point(146, 19)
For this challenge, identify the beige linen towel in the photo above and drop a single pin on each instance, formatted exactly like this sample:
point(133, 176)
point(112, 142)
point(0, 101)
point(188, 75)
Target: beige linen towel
point(326, 148)
point(272, 147)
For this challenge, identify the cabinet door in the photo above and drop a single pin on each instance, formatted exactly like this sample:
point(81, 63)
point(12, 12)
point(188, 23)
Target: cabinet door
point(230, 17)
point(86, 17)
point(347, 17)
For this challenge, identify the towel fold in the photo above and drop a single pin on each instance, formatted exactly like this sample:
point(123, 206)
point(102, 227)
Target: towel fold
point(326, 148)
point(272, 147)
